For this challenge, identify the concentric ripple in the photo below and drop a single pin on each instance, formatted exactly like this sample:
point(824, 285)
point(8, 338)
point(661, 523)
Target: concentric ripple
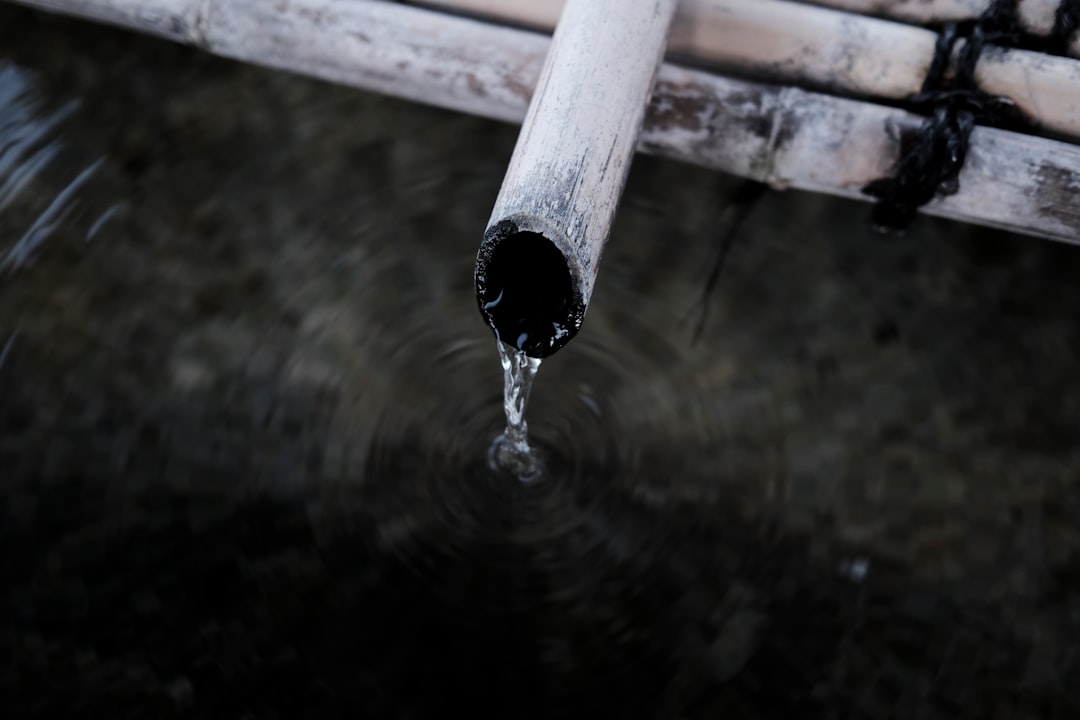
point(592, 568)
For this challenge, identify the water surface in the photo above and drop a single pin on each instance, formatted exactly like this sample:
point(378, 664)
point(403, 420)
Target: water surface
point(247, 401)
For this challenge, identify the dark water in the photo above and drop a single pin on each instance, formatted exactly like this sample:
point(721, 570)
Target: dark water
point(246, 399)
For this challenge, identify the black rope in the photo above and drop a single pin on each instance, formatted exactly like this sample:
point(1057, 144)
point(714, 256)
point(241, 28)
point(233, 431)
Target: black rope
point(1066, 23)
point(932, 157)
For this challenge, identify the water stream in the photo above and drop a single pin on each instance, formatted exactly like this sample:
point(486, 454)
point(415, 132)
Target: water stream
point(510, 451)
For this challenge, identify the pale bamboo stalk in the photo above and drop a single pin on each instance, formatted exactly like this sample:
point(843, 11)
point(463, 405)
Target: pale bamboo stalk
point(176, 20)
point(785, 136)
point(857, 55)
point(1037, 16)
point(790, 137)
point(568, 170)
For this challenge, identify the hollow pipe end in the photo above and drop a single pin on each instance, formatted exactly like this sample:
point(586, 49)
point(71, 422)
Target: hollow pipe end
point(528, 286)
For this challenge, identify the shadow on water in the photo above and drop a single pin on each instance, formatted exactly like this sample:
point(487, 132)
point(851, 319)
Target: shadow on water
point(246, 398)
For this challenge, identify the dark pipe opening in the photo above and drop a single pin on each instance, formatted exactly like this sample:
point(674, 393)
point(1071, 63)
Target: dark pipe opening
point(525, 291)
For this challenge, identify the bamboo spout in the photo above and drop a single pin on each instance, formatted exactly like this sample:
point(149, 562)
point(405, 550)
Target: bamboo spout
point(538, 260)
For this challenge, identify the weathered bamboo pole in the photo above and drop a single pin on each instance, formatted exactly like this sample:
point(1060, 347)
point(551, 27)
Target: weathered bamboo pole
point(857, 55)
point(1037, 16)
point(176, 20)
point(538, 261)
point(785, 136)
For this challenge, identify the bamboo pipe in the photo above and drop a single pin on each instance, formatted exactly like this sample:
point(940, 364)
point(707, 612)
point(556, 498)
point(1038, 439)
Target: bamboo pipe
point(537, 264)
point(852, 54)
point(787, 137)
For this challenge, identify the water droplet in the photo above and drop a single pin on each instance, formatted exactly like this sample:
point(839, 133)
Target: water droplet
point(494, 303)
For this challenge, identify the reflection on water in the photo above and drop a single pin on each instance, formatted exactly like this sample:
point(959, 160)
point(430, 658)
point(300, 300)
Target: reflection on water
point(28, 144)
point(26, 137)
point(243, 432)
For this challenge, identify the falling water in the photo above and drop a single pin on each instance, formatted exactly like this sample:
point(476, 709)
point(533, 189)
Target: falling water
point(510, 451)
